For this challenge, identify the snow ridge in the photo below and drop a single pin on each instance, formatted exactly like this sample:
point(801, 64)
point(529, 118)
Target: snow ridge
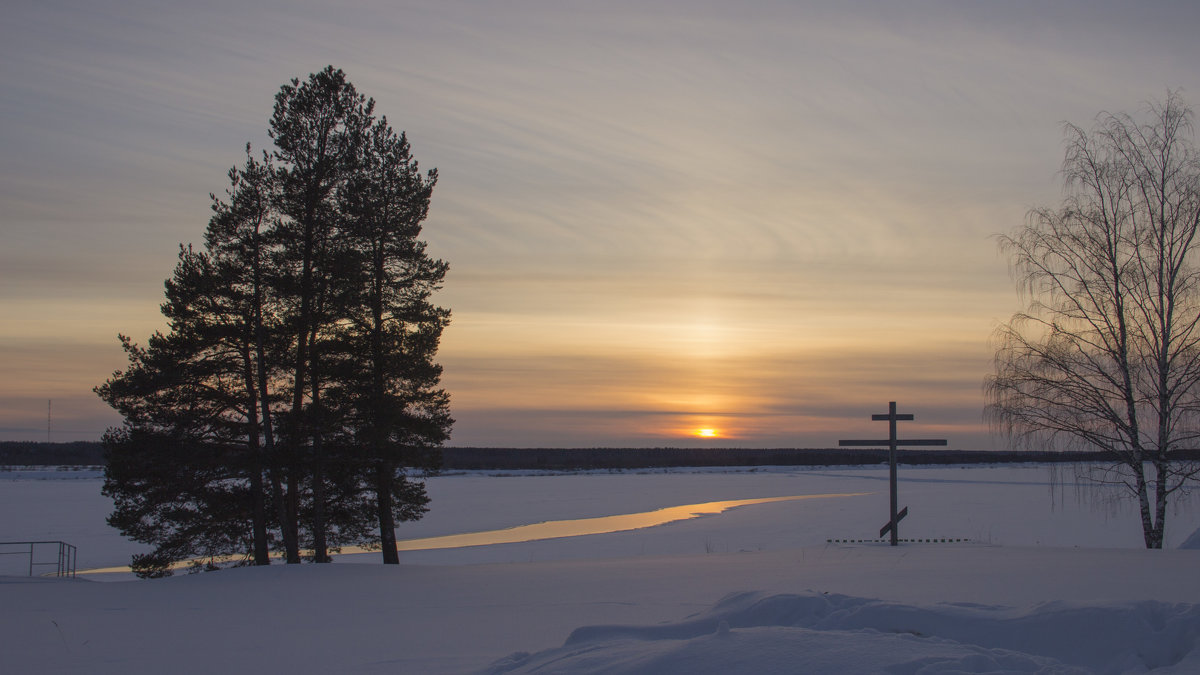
point(817, 633)
point(1193, 540)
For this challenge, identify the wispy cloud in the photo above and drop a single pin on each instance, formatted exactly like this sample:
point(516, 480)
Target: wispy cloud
point(776, 212)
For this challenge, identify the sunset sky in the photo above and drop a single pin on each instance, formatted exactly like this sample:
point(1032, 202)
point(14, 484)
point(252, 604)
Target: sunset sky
point(767, 219)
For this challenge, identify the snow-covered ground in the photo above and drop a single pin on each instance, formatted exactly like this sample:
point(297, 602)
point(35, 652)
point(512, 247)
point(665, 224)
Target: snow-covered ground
point(1053, 580)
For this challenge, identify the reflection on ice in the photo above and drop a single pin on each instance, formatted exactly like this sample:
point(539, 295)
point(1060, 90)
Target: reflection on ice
point(574, 528)
point(554, 528)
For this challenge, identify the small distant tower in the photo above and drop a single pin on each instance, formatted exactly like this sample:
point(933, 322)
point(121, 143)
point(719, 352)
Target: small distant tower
point(49, 403)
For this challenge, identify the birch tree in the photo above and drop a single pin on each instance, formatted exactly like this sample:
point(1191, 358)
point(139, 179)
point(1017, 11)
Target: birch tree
point(1106, 355)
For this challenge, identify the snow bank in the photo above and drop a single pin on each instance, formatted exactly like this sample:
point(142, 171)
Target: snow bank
point(429, 619)
point(755, 632)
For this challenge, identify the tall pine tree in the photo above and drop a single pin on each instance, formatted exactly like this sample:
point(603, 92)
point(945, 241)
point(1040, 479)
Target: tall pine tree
point(396, 412)
point(296, 387)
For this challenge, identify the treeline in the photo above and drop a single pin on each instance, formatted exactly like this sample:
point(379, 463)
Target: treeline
point(295, 391)
point(570, 459)
point(34, 453)
point(577, 459)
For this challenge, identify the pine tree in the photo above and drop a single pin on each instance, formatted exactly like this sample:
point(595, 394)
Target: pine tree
point(318, 128)
point(236, 242)
point(180, 472)
point(296, 385)
point(398, 415)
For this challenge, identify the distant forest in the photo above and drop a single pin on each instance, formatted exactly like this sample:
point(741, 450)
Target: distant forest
point(30, 453)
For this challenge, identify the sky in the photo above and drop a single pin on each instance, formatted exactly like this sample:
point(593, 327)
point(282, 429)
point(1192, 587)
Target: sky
point(766, 219)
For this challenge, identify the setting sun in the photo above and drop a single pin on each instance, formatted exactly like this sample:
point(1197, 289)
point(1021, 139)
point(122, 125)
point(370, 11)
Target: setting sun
point(707, 433)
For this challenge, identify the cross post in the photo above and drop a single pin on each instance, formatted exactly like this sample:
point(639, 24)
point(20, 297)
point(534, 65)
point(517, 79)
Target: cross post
point(893, 442)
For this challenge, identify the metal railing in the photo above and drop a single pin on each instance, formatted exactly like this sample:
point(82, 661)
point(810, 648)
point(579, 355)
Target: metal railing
point(63, 563)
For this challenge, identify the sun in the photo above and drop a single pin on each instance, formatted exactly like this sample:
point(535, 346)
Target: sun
point(707, 433)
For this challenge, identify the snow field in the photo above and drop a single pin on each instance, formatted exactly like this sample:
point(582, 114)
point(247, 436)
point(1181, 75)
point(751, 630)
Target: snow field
point(1051, 584)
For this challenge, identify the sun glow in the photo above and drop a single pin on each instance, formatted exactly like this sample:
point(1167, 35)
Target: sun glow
point(707, 433)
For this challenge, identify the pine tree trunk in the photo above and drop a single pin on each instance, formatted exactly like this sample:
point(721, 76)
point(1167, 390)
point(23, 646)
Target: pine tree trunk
point(384, 469)
point(301, 369)
point(258, 514)
point(384, 472)
point(262, 554)
point(292, 500)
point(287, 526)
point(291, 550)
point(320, 543)
point(297, 436)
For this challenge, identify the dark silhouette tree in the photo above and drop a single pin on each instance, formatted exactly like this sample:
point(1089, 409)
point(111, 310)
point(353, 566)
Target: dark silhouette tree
point(318, 128)
point(296, 386)
point(1106, 356)
point(241, 271)
point(395, 411)
point(181, 473)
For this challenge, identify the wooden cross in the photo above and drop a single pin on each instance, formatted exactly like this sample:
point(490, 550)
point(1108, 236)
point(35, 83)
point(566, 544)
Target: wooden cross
point(892, 442)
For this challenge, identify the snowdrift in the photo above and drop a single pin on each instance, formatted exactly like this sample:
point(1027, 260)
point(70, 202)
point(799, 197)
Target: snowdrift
point(819, 633)
point(1192, 542)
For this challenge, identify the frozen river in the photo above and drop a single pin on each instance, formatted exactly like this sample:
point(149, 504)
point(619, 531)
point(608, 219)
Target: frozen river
point(518, 517)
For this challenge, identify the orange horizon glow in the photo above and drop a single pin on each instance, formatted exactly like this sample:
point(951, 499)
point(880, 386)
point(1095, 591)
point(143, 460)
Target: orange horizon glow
point(707, 432)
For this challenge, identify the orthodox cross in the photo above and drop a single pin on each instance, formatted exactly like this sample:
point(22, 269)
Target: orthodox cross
point(892, 442)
